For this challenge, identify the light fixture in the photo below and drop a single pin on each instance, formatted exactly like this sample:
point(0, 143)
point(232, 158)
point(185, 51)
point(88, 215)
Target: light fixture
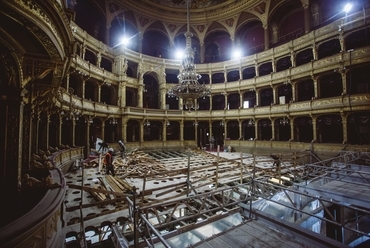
point(222, 123)
point(90, 119)
point(195, 123)
point(284, 121)
point(168, 123)
point(113, 121)
point(251, 122)
point(189, 88)
point(146, 123)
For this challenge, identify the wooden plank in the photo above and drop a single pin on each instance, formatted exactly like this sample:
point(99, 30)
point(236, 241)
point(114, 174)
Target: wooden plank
point(89, 189)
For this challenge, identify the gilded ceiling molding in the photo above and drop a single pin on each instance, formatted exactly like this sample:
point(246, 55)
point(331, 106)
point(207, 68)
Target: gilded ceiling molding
point(199, 16)
point(29, 10)
point(38, 69)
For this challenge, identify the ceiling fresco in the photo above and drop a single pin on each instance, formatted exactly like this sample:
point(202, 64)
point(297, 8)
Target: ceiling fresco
point(195, 4)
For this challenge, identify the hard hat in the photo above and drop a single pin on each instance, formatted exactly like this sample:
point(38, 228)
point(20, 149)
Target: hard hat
point(110, 150)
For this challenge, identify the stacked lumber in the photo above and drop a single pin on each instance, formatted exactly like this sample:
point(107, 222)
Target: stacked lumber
point(98, 195)
point(138, 164)
point(118, 184)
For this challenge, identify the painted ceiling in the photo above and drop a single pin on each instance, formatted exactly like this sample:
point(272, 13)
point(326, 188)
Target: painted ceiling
point(195, 4)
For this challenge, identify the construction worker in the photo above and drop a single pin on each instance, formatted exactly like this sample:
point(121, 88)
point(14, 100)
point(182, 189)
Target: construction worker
point(108, 161)
point(276, 161)
point(123, 148)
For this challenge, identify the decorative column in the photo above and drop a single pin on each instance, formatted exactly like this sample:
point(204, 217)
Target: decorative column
point(307, 19)
point(314, 52)
point(210, 135)
point(163, 93)
point(292, 56)
point(240, 130)
point(315, 86)
point(225, 96)
point(164, 130)
point(272, 121)
point(67, 81)
point(182, 131)
point(73, 121)
point(267, 36)
point(196, 132)
point(241, 100)
point(257, 98)
point(180, 104)
point(87, 141)
point(140, 93)
point(314, 128)
point(47, 133)
point(37, 115)
point(344, 81)
point(345, 132)
point(83, 88)
point(98, 59)
point(202, 52)
point(274, 94)
point(99, 93)
point(342, 41)
point(240, 72)
point(291, 122)
point(140, 45)
point(142, 131)
point(210, 77)
point(255, 130)
point(256, 68)
point(273, 63)
point(293, 90)
point(124, 129)
point(60, 128)
point(210, 102)
point(107, 32)
point(121, 95)
point(83, 50)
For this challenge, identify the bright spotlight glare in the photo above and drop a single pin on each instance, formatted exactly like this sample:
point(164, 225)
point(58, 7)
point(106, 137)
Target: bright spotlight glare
point(347, 8)
point(125, 41)
point(237, 54)
point(179, 54)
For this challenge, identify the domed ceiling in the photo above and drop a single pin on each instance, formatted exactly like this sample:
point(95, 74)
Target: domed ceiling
point(201, 10)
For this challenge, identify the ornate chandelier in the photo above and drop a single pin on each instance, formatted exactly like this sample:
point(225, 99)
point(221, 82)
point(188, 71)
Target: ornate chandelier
point(189, 88)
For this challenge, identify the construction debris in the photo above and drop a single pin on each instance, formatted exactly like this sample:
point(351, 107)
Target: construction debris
point(137, 164)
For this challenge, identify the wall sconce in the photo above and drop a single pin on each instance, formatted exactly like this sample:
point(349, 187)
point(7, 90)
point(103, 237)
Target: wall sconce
point(222, 123)
point(251, 122)
point(146, 123)
point(195, 123)
point(91, 119)
point(284, 121)
point(168, 123)
point(113, 121)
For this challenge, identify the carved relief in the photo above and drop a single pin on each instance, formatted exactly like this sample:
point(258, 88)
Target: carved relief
point(113, 7)
point(11, 74)
point(40, 34)
point(260, 8)
point(172, 28)
point(200, 28)
point(229, 22)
